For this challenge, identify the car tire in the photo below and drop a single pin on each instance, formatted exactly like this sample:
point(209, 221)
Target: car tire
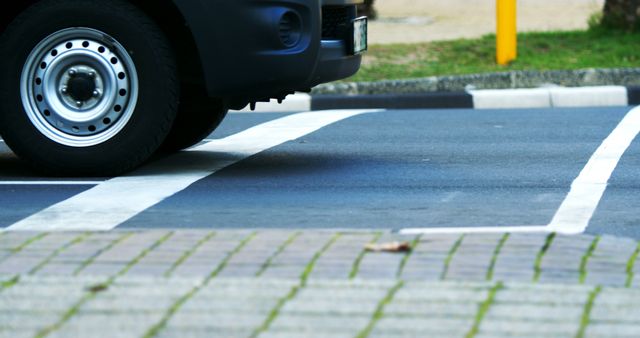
point(87, 88)
point(198, 116)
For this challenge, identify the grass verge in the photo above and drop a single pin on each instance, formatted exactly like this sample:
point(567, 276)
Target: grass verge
point(595, 48)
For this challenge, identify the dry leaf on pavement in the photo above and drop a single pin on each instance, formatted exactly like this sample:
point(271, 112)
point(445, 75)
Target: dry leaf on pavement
point(389, 247)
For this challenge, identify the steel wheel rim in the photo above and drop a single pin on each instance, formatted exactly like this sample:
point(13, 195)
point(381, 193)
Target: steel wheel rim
point(79, 87)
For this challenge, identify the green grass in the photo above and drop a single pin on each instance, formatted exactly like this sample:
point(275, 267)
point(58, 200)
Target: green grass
point(379, 313)
point(586, 314)
point(483, 309)
point(494, 257)
point(596, 48)
point(585, 259)
point(537, 265)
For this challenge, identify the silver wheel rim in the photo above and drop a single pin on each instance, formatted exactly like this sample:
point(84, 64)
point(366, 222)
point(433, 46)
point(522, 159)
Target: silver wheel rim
point(79, 87)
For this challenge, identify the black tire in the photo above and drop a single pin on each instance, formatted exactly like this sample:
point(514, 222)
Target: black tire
point(198, 116)
point(157, 96)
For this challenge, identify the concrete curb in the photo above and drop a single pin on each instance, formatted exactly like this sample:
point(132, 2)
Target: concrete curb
point(501, 80)
point(545, 97)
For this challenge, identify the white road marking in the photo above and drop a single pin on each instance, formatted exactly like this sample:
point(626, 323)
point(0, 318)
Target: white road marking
point(587, 189)
point(50, 182)
point(115, 201)
point(292, 103)
point(474, 230)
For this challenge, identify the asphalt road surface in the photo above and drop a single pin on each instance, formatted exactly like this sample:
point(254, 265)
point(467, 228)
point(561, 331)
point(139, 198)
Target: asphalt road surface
point(436, 169)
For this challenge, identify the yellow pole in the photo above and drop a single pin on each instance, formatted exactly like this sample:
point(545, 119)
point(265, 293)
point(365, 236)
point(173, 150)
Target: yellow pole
point(506, 41)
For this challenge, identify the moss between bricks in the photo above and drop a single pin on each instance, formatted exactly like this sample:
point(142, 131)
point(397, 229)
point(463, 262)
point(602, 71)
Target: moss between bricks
point(585, 259)
point(188, 253)
point(356, 264)
point(93, 257)
point(586, 314)
point(379, 312)
point(452, 252)
point(267, 263)
point(273, 314)
point(631, 265)
point(405, 259)
point(537, 266)
point(496, 253)
point(100, 287)
point(156, 328)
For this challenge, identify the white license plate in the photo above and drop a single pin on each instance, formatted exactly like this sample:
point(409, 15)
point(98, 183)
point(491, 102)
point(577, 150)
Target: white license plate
point(359, 43)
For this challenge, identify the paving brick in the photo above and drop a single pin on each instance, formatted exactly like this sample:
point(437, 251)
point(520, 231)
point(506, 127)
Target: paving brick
point(425, 326)
point(119, 324)
point(216, 320)
point(342, 294)
point(181, 332)
point(538, 312)
point(262, 306)
point(444, 295)
point(281, 333)
point(601, 330)
point(26, 320)
point(312, 323)
point(564, 298)
point(615, 314)
point(431, 309)
point(524, 327)
point(18, 333)
point(103, 269)
point(18, 264)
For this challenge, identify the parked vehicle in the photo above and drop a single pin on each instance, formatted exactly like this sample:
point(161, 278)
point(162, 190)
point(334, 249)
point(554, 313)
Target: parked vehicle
point(95, 87)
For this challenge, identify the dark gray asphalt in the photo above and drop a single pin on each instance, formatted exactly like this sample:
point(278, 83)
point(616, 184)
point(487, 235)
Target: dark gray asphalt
point(393, 169)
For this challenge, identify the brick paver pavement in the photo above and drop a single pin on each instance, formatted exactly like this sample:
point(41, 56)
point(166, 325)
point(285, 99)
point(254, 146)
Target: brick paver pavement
point(315, 284)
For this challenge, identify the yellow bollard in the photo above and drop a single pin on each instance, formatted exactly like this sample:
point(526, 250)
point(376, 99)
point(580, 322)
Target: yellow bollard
point(506, 40)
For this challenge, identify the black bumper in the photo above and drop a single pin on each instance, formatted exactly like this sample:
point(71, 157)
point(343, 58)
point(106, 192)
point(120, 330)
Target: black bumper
point(249, 52)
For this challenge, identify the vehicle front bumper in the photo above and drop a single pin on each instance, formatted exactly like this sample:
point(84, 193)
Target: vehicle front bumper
point(242, 54)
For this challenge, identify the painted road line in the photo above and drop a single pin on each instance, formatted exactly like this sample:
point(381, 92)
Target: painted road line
point(587, 189)
point(50, 182)
point(578, 207)
point(475, 230)
point(113, 202)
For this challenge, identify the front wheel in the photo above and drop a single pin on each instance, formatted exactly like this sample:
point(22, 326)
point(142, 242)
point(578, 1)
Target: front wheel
point(198, 116)
point(90, 87)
